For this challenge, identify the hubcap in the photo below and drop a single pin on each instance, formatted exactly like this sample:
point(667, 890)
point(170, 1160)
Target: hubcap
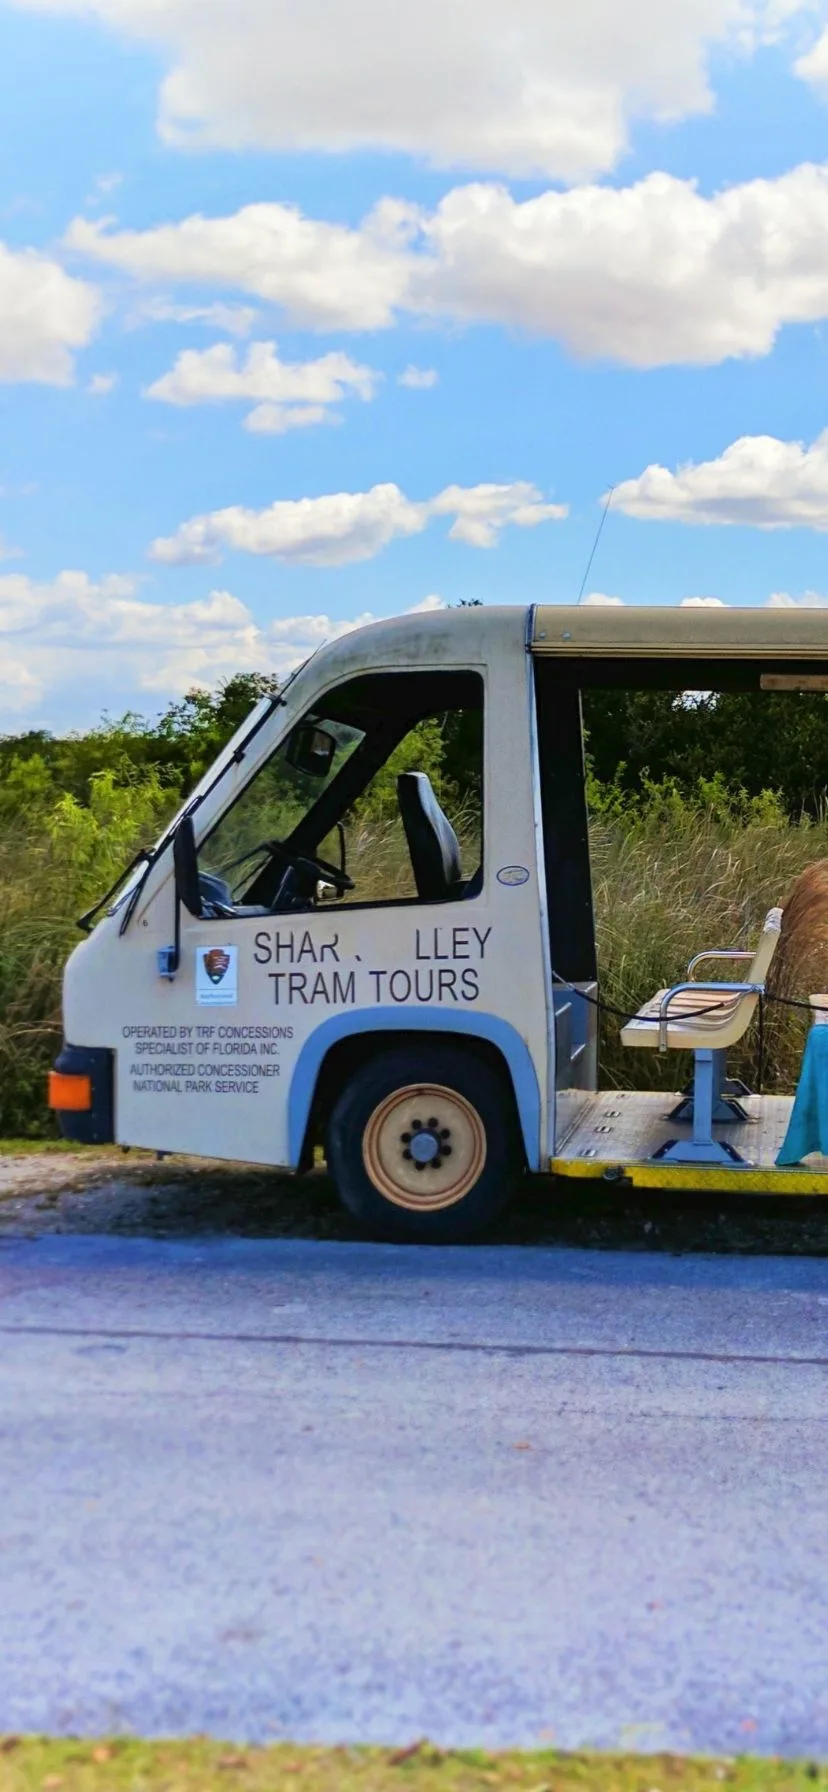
point(424, 1147)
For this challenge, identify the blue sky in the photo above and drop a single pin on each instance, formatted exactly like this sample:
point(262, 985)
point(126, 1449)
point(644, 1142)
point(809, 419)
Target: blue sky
point(600, 277)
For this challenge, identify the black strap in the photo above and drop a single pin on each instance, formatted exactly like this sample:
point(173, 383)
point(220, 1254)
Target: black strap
point(716, 1008)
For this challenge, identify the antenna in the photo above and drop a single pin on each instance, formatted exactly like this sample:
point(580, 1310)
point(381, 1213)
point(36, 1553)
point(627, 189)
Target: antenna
point(610, 495)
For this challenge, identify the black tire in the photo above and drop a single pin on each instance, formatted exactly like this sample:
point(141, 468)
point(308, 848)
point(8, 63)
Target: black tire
point(472, 1149)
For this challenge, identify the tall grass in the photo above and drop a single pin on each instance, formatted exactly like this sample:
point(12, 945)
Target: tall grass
point(672, 876)
point(57, 856)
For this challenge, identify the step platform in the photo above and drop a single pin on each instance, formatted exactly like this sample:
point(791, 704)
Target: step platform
point(616, 1136)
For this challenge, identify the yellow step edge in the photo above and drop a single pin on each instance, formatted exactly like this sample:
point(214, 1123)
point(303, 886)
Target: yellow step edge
point(693, 1176)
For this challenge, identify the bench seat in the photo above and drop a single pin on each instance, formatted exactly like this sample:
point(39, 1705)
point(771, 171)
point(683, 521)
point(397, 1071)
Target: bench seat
point(706, 1019)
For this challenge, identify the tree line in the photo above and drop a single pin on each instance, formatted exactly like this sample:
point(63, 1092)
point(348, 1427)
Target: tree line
point(752, 742)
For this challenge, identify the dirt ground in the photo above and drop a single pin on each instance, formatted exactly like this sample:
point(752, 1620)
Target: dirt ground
point(114, 1192)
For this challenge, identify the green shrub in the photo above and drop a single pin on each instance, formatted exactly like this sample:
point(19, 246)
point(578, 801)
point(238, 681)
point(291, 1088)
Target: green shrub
point(56, 856)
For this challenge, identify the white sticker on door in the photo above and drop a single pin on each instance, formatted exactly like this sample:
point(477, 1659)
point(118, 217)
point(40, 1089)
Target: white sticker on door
point(217, 976)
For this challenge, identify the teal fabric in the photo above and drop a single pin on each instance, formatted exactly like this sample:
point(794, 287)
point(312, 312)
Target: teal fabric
point(808, 1128)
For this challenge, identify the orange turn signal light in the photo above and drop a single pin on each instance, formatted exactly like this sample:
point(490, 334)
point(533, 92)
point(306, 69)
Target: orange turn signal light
point(70, 1094)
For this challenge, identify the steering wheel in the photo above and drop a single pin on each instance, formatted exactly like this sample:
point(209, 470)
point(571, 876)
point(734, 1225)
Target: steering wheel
point(310, 870)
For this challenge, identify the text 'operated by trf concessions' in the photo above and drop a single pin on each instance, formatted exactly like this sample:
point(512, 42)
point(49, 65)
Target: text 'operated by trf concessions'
point(203, 1059)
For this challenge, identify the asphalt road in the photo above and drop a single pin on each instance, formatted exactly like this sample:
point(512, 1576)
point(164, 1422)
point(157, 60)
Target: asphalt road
point(346, 1492)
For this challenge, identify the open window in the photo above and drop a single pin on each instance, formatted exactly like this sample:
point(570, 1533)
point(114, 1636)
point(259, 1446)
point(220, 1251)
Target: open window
point(375, 796)
point(697, 763)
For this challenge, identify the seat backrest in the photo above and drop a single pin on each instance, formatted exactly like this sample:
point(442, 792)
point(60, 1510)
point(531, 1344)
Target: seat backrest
point(432, 842)
point(757, 972)
point(768, 943)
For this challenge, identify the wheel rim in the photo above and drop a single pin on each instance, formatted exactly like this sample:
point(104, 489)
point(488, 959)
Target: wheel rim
point(424, 1147)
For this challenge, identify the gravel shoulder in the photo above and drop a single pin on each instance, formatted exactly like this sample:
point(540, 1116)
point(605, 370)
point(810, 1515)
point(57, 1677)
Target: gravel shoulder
point(135, 1194)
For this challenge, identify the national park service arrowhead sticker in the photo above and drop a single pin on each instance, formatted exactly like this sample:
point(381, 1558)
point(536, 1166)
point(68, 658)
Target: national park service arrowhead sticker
point(217, 976)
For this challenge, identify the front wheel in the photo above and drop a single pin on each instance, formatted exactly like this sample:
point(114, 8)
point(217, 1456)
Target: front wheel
point(423, 1144)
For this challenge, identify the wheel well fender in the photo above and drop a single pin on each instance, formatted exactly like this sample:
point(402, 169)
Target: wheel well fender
point(352, 1037)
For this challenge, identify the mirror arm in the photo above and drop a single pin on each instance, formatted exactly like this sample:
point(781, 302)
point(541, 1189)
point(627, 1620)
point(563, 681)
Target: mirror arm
point(169, 957)
point(185, 860)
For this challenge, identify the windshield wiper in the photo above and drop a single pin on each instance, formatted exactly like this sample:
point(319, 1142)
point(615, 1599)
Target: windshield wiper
point(85, 921)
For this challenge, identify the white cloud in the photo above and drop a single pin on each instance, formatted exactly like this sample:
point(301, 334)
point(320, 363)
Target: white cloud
point(323, 276)
point(538, 87)
point(101, 384)
point(234, 320)
point(419, 379)
point(758, 481)
point(692, 603)
point(482, 511)
point(74, 630)
point(348, 526)
point(778, 600)
point(104, 185)
point(426, 605)
point(650, 274)
point(813, 66)
point(809, 600)
point(292, 394)
point(277, 419)
point(78, 636)
point(20, 688)
point(44, 316)
point(327, 531)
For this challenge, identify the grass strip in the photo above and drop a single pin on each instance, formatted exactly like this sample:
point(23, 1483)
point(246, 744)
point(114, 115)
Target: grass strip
point(35, 1764)
point(43, 1148)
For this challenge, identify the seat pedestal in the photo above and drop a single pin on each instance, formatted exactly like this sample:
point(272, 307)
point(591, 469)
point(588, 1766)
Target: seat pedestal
point(728, 1108)
point(705, 1105)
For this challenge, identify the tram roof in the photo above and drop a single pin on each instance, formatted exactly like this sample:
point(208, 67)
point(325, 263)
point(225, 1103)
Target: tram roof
point(695, 631)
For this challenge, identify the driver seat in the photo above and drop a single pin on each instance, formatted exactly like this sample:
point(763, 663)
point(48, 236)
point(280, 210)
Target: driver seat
point(432, 842)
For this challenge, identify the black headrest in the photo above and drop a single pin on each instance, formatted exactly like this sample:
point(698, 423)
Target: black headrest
point(432, 842)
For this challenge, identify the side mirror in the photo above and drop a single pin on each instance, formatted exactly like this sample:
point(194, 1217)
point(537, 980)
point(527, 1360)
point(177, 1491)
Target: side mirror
point(185, 860)
point(310, 750)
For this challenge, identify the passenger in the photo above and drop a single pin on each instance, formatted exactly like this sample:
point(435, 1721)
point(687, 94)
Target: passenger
point(800, 971)
point(800, 967)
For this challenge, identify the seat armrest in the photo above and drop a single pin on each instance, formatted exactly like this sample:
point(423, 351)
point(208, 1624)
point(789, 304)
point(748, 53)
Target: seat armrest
point(734, 952)
point(715, 989)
